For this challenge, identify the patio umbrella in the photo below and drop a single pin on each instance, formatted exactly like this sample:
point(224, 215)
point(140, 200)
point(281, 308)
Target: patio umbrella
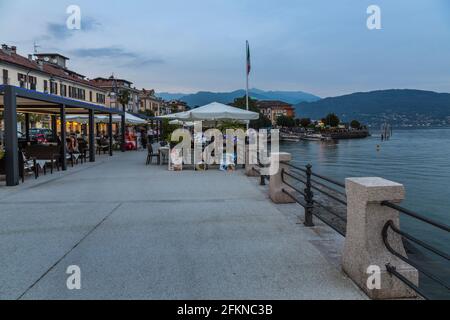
point(129, 119)
point(214, 112)
point(181, 123)
point(84, 119)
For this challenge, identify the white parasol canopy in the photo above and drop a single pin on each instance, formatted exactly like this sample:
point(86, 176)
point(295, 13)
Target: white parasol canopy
point(214, 112)
point(129, 119)
point(181, 123)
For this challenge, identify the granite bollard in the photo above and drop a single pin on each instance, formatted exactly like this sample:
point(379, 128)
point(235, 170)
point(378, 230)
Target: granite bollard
point(276, 184)
point(364, 246)
point(251, 163)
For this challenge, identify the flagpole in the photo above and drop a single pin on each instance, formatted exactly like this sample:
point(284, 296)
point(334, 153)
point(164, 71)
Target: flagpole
point(247, 73)
point(247, 93)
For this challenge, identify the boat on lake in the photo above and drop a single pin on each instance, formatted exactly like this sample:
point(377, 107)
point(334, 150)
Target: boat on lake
point(313, 137)
point(290, 137)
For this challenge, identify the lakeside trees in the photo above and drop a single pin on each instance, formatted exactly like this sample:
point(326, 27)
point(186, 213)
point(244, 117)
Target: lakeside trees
point(262, 122)
point(285, 121)
point(355, 124)
point(304, 122)
point(331, 120)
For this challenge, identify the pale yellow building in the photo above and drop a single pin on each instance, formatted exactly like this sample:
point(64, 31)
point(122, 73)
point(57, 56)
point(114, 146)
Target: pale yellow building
point(48, 73)
point(149, 103)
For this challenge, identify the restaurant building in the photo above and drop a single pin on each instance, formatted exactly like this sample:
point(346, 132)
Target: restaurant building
point(113, 86)
point(150, 104)
point(175, 106)
point(275, 109)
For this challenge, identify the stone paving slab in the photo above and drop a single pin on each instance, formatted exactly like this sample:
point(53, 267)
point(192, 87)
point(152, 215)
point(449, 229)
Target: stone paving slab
point(142, 232)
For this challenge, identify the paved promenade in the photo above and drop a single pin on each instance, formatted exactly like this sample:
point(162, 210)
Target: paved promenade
point(142, 232)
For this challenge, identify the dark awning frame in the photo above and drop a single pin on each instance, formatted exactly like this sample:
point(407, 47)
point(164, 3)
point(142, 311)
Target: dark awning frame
point(20, 100)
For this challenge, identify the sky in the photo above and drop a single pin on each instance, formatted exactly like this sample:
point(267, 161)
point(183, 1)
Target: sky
point(318, 46)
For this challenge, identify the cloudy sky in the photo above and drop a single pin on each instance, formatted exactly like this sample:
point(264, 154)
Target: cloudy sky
point(318, 46)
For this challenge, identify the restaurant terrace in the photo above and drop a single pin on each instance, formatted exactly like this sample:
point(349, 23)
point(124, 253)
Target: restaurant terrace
point(14, 100)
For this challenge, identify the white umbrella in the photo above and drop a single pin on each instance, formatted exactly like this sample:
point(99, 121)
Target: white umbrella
point(215, 112)
point(175, 116)
point(82, 118)
point(181, 123)
point(129, 119)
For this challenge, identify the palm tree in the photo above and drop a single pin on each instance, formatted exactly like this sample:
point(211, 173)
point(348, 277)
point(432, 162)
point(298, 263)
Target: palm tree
point(124, 99)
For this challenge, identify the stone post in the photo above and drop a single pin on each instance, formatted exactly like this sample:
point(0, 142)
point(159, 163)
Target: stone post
point(250, 162)
point(364, 249)
point(276, 184)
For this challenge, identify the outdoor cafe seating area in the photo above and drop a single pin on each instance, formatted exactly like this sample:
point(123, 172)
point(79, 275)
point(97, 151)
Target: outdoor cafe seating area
point(210, 115)
point(22, 158)
point(37, 159)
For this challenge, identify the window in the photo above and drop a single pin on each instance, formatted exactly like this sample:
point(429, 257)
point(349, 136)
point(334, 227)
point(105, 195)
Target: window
point(45, 86)
point(73, 92)
point(22, 79)
point(90, 96)
point(32, 81)
point(63, 90)
point(100, 98)
point(5, 76)
point(53, 87)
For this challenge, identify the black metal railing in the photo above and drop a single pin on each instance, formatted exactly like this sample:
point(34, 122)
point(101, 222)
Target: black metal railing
point(327, 188)
point(430, 248)
point(263, 178)
point(331, 189)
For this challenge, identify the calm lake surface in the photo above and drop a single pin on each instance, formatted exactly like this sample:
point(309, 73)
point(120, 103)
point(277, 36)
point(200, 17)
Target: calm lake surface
point(417, 158)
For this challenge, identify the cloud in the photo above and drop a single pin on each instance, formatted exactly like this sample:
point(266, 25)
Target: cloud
point(103, 52)
point(141, 62)
point(59, 30)
point(128, 58)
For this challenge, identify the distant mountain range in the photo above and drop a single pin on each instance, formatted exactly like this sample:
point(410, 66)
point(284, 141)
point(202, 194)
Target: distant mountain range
point(204, 97)
point(402, 108)
point(399, 107)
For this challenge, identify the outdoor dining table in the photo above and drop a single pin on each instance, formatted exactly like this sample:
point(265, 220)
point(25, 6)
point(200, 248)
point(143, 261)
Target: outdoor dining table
point(164, 153)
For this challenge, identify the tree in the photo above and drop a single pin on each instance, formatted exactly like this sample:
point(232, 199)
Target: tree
point(124, 99)
point(230, 124)
point(355, 124)
point(262, 122)
point(148, 113)
point(167, 129)
point(305, 122)
point(332, 120)
point(285, 121)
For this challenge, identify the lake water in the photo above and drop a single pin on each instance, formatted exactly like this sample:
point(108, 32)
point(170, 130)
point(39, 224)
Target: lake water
point(419, 159)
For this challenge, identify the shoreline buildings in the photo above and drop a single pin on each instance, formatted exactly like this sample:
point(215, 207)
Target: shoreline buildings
point(150, 104)
point(113, 86)
point(47, 73)
point(274, 109)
